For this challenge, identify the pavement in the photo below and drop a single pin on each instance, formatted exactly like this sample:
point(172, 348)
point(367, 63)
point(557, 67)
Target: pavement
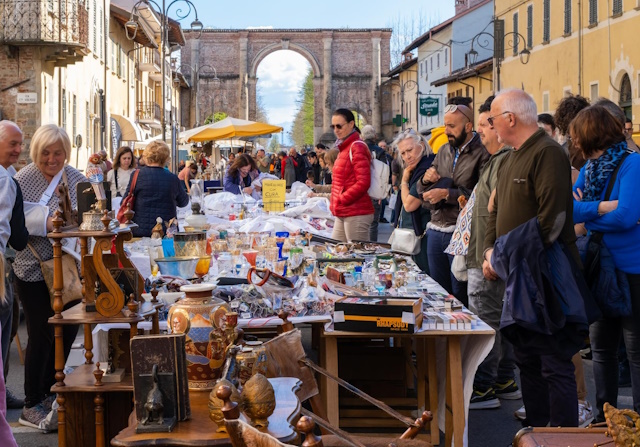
point(487, 428)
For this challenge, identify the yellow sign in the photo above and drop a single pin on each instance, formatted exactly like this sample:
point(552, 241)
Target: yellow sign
point(273, 194)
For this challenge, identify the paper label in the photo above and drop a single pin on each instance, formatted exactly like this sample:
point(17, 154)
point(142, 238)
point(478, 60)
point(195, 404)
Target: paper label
point(338, 316)
point(408, 317)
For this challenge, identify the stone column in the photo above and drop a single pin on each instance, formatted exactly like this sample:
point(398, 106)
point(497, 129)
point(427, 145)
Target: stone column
point(376, 118)
point(252, 104)
point(243, 71)
point(318, 110)
point(327, 70)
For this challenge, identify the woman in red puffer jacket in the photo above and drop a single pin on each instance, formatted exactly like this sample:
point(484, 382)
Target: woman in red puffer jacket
point(350, 202)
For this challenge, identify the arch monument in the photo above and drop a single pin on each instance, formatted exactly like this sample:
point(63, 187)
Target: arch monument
point(347, 65)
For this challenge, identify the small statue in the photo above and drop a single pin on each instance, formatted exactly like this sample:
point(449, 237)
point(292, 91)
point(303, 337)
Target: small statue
point(153, 406)
point(157, 232)
point(96, 177)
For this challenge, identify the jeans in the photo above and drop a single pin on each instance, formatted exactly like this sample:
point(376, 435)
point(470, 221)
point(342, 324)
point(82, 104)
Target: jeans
point(605, 337)
point(548, 389)
point(352, 228)
point(440, 265)
point(39, 361)
point(485, 300)
point(373, 230)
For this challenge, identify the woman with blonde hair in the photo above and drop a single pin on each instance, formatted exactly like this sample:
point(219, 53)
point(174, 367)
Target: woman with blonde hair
point(39, 180)
point(157, 191)
point(123, 167)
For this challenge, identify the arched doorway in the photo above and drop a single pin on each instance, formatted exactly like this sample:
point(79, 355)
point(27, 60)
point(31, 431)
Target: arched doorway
point(626, 96)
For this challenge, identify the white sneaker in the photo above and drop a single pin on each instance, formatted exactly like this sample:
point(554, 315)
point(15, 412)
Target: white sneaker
point(520, 413)
point(585, 413)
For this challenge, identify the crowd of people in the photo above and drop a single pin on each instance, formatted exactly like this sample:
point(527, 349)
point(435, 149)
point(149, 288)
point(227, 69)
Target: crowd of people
point(487, 205)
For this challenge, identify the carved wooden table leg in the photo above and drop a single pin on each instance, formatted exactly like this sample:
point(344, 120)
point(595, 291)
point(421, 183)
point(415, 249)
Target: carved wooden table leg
point(329, 387)
point(83, 252)
point(62, 420)
point(99, 411)
point(155, 323)
point(133, 331)
point(88, 344)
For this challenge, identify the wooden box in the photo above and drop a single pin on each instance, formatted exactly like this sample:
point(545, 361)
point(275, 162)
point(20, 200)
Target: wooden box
point(378, 314)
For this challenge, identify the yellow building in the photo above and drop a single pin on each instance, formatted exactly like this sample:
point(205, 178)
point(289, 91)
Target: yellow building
point(580, 47)
point(400, 93)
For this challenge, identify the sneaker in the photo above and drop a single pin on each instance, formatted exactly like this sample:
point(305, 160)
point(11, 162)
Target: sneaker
point(520, 413)
point(383, 220)
point(13, 402)
point(47, 403)
point(481, 400)
point(507, 390)
point(585, 413)
point(32, 417)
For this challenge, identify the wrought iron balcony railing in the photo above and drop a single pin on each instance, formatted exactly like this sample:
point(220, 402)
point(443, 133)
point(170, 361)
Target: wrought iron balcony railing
point(24, 22)
point(149, 111)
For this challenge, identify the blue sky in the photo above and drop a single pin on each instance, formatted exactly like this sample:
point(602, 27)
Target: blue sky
point(281, 73)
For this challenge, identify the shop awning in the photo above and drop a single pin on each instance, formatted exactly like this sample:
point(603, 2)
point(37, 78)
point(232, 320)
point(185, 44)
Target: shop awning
point(131, 131)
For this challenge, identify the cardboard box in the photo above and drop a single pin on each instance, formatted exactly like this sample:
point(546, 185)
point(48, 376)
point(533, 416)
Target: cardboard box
point(378, 314)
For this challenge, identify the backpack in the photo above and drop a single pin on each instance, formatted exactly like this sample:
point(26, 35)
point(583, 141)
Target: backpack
point(380, 172)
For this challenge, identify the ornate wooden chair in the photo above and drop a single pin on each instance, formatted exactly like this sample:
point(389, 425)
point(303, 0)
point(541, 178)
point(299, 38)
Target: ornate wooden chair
point(286, 358)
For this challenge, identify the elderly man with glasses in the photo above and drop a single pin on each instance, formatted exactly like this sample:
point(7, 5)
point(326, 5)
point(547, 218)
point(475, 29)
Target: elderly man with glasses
point(534, 182)
point(457, 165)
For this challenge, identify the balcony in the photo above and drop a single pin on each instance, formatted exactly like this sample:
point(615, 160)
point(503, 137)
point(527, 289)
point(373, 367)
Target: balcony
point(150, 113)
point(63, 25)
point(157, 75)
point(149, 60)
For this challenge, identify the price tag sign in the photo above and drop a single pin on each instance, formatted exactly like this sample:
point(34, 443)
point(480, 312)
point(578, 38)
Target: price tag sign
point(273, 194)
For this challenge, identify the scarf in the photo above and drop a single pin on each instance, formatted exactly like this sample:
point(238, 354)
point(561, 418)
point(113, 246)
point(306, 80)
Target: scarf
point(597, 172)
point(339, 141)
point(418, 172)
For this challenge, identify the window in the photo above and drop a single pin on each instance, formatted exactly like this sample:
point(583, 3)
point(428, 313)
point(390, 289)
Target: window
point(593, 12)
point(95, 28)
point(438, 60)
point(101, 33)
point(594, 92)
point(515, 33)
point(113, 55)
point(546, 21)
point(74, 118)
point(446, 56)
point(529, 26)
point(617, 7)
point(123, 62)
point(64, 110)
point(88, 122)
point(431, 63)
point(567, 17)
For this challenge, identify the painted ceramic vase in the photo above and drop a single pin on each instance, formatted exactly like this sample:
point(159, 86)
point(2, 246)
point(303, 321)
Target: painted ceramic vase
point(203, 319)
point(251, 360)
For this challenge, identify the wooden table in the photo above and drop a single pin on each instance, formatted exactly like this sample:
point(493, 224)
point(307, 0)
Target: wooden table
point(427, 383)
point(201, 431)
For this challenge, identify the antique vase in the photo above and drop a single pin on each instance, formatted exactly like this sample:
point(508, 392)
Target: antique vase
point(203, 319)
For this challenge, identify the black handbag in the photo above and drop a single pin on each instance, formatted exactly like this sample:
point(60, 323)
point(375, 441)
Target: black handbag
point(609, 286)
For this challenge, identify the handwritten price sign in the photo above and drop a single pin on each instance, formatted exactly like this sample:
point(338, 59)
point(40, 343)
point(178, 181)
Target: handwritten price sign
point(273, 194)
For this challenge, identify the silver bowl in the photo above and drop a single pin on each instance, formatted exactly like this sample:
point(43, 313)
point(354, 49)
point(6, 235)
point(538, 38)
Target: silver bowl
point(182, 266)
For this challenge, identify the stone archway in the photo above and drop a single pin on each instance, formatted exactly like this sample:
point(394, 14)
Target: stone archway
point(626, 97)
point(347, 65)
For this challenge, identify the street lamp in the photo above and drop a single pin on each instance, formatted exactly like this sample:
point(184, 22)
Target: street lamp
point(197, 71)
point(500, 41)
point(410, 83)
point(131, 28)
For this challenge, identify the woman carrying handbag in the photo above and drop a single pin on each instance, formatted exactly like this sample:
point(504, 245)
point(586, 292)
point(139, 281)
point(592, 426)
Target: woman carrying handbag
point(415, 158)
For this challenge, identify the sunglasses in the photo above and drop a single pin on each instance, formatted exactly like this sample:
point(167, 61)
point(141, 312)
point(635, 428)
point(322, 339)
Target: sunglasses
point(468, 114)
point(491, 118)
point(337, 126)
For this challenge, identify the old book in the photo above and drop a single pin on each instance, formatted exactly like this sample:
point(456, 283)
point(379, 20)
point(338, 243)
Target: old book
point(168, 352)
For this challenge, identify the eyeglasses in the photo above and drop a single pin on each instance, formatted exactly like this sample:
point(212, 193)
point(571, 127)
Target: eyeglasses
point(466, 111)
point(337, 126)
point(491, 118)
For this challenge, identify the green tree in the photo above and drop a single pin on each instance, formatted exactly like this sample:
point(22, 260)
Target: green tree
point(218, 116)
point(261, 114)
point(302, 130)
point(274, 145)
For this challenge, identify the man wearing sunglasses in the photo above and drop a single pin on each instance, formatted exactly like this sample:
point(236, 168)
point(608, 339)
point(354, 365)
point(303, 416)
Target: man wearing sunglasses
point(534, 181)
point(457, 164)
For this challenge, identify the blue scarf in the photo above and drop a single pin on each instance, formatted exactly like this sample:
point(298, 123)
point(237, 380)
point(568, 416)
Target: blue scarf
point(598, 171)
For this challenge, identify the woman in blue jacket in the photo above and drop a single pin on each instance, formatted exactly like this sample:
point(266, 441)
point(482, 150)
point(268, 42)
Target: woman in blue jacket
point(240, 174)
point(598, 135)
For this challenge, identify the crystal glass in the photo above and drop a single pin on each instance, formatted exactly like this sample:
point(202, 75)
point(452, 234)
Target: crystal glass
point(380, 286)
point(203, 265)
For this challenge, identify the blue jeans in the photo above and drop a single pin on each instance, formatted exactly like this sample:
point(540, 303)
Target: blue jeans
point(373, 229)
point(485, 300)
point(440, 265)
point(605, 337)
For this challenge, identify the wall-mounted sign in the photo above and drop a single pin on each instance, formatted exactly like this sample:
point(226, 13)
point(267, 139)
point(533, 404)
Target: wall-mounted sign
point(27, 98)
point(429, 106)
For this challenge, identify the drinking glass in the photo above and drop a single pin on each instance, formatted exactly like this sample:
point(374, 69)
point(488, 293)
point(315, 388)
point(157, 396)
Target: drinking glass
point(203, 265)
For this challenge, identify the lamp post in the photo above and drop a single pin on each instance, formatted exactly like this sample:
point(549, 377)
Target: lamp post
point(412, 84)
point(510, 40)
point(132, 26)
point(197, 71)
